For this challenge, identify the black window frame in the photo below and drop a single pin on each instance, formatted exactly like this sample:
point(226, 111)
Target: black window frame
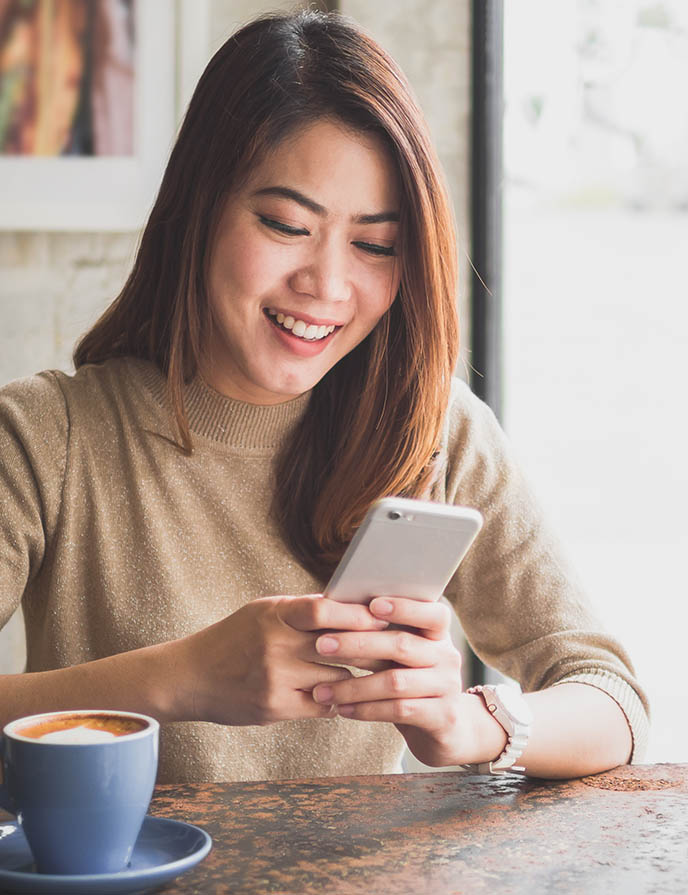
point(486, 181)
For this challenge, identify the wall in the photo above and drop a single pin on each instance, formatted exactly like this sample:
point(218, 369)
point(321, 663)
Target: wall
point(54, 285)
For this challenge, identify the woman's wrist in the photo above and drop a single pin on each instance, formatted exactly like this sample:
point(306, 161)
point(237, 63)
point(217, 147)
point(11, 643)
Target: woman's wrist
point(143, 680)
point(489, 738)
point(170, 680)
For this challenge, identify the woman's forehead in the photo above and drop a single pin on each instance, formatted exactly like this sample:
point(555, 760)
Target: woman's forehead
point(334, 165)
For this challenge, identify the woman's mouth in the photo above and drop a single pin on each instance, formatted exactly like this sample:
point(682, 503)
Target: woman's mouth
point(309, 332)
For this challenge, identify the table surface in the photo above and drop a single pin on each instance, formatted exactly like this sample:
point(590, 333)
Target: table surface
point(625, 831)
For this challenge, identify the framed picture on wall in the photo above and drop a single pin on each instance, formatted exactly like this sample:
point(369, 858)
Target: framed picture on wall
point(89, 101)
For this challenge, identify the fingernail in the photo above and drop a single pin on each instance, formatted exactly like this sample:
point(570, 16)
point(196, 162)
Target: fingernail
point(322, 694)
point(345, 710)
point(382, 607)
point(327, 644)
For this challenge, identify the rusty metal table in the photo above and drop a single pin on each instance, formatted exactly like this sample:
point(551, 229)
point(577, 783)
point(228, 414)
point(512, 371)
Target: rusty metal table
point(625, 831)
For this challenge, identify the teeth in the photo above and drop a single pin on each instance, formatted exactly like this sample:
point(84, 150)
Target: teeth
point(309, 331)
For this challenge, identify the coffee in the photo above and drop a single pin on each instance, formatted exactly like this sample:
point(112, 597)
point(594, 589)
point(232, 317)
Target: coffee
point(81, 728)
point(81, 803)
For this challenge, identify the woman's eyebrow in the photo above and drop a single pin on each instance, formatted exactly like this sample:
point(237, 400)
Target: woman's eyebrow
point(381, 218)
point(285, 192)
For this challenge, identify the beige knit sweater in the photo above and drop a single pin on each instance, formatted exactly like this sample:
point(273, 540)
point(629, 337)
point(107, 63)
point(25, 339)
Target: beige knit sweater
point(113, 540)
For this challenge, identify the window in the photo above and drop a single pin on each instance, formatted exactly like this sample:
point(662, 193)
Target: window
point(595, 312)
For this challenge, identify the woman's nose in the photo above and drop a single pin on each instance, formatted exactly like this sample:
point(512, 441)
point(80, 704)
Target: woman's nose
point(324, 276)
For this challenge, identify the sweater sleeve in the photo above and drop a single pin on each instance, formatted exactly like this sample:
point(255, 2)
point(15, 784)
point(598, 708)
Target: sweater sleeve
point(519, 603)
point(33, 447)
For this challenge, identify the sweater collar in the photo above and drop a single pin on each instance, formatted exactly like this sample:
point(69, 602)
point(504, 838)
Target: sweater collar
point(230, 422)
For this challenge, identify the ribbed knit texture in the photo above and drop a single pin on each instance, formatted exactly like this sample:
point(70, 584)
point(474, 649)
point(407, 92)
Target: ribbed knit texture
point(114, 539)
point(230, 422)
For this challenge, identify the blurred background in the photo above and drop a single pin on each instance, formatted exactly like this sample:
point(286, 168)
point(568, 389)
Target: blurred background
point(593, 219)
point(595, 310)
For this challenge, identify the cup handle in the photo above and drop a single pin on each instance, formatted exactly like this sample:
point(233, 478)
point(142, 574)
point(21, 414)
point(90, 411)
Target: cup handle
point(5, 801)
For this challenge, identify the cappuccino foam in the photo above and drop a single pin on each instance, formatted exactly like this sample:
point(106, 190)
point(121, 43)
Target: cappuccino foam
point(81, 728)
point(77, 735)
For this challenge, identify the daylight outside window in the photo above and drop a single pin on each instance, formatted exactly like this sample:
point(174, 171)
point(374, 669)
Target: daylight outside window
point(595, 310)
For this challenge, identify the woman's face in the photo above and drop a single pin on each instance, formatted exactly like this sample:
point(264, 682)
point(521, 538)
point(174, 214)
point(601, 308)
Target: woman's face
point(303, 265)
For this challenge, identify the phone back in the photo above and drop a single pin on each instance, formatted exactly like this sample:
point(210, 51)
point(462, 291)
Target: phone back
point(404, 548)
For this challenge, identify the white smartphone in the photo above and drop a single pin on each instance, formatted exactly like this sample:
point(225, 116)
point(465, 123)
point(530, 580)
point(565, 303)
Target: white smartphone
point(404, 548)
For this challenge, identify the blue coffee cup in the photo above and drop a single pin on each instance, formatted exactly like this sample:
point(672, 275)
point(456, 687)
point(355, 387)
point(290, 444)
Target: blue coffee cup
point(80, 797)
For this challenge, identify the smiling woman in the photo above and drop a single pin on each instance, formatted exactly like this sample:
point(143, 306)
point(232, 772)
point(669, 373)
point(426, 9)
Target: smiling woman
point(316, 251)
point(302, 137)
point(280, 357)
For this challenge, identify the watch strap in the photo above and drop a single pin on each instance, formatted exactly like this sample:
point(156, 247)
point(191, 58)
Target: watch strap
point(517, 734)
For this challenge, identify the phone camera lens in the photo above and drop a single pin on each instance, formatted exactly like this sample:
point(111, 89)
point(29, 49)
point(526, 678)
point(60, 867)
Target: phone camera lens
point(393, 514)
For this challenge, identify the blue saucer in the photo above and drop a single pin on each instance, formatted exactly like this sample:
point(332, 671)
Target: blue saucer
point(165, 848)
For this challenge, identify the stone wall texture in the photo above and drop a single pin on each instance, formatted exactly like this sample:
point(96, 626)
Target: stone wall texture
point(53, 286)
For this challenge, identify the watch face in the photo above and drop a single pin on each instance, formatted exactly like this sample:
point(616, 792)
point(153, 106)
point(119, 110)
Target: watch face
point(514, 703)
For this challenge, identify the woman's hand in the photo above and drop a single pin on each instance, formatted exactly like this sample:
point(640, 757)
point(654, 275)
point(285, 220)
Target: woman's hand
point(260, 664)
point(419, 688)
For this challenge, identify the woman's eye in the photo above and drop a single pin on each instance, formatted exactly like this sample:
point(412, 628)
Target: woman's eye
point(374, 248)
point(282, 228)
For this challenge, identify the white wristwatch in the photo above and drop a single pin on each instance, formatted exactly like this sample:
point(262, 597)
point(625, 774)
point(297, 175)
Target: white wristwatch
point(512, 711)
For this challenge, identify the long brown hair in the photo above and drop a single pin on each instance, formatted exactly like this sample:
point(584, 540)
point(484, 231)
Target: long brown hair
point(374, 421)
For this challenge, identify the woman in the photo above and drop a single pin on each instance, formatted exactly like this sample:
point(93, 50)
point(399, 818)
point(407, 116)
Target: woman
point(281, 356)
